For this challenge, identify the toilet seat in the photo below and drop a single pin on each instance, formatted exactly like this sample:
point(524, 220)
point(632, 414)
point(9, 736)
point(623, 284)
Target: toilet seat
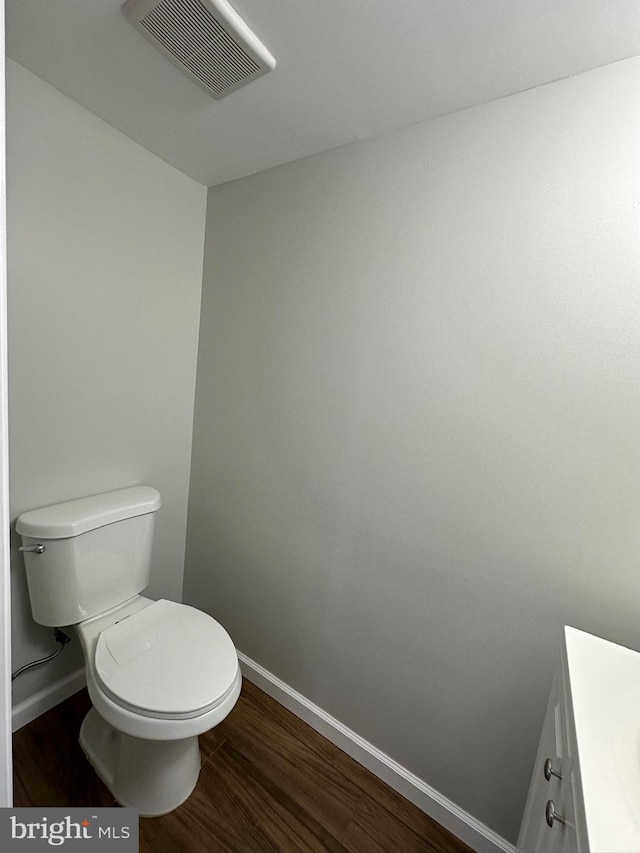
point(166, 661)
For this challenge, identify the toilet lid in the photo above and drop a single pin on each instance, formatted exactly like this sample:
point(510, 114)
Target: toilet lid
point(166, 660)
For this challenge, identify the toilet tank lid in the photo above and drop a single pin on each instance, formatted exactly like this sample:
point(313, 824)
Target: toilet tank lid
point(71, 518)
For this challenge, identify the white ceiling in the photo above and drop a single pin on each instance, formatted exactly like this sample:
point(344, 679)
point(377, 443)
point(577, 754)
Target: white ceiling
point(347, 69)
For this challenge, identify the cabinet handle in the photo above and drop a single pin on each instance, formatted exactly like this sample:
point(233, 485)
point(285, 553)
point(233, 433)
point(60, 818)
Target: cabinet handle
point(551, 814)
point(549, 771)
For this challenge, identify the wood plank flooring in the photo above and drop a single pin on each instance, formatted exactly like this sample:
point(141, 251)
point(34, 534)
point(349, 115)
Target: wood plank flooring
point(269, 784)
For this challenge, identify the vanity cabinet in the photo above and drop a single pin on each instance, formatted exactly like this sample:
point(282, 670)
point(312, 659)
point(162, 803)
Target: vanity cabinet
point(584, 795)
point(549, 822)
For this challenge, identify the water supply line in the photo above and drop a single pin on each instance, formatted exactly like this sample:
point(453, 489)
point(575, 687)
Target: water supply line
point(61, 638)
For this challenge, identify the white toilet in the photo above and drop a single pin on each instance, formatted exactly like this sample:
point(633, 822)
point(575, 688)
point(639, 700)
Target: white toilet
point(158, 673)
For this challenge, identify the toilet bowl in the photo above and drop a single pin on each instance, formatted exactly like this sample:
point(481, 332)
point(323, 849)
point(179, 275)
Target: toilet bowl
point(159, 673)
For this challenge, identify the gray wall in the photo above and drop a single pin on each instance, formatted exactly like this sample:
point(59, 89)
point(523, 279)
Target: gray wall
point(105, 270)
point(417, 434)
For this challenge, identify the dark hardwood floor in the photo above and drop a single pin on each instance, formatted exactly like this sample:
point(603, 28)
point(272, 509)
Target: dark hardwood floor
point(268, 783)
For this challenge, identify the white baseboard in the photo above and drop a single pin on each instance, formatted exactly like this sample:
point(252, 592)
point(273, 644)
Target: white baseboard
point(47, 698)
point(465, 827)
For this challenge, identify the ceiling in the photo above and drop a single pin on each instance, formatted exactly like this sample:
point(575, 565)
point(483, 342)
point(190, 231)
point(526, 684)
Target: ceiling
point(346, 69)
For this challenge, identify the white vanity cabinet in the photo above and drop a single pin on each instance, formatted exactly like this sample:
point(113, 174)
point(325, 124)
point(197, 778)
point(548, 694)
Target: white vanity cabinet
point(585, 789)
point(555, 785)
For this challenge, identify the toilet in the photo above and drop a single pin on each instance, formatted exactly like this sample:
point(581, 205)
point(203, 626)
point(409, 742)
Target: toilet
point(158, 673)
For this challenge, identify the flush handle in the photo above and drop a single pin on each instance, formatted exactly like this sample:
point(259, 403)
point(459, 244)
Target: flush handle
point(33, 549)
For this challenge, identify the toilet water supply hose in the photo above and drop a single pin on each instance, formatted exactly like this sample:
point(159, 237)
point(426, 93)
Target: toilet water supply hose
point(61, 638)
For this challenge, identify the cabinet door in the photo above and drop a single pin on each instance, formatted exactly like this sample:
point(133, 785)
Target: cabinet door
point(536, 836)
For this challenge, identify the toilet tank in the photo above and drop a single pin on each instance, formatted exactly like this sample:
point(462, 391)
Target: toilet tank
point(97, 553)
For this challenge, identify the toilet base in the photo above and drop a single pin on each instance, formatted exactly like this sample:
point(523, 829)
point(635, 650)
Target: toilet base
point(154, 777)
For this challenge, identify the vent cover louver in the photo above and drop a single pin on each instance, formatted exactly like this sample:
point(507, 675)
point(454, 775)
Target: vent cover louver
point(206, 39)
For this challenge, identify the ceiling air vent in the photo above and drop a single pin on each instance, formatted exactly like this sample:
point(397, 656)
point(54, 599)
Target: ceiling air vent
point(206, 39)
